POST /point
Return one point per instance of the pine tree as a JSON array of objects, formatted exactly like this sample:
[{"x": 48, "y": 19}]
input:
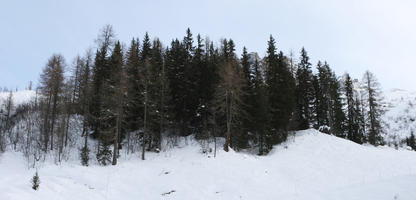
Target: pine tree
[
  {"x": 35, "y": 181},
  {"x": 281, "y": 88},
  {"x": 353, "y": 112},
  {"x": 85, "y": 102},
  {"x": 111, "y": 108},
  {"x": 261, "y": 110},
  {"x": 117, "y": 91},
  {"x": 146, "y": 84},
  {"x": 411, "y": 141},
  {"x": 372, "y": 93},
  {"x": 196, "y": 85},
  {"x": 101, "y": 73},
  {"x": 328, "y": 106},
  {"x": 229, "y": 91},
  {"x": 336, "y": 109},
  {"x": 175, "y": 65},
  {"x": 134, "y": 99},
  {"x": 157, "y": 95},
  {"x": 321, "y": 101},
  {"x": 241, "y": 139},
  {"x": 304, "y": 91}
]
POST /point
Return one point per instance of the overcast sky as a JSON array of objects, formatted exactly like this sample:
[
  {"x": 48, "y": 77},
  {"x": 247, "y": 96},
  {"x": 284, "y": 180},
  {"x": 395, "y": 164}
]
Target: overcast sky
[{"x": 353, "y": 35}]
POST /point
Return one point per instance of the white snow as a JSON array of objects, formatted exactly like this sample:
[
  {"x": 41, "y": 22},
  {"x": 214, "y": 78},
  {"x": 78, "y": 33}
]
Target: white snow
[
  {"x": 400, "y": 117},
  {"x": 310, "y": 166},
  {"x": 19, "y": 97}
]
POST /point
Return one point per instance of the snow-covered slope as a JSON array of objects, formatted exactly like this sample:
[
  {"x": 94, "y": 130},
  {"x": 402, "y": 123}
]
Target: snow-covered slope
[
  {"x": 19, "y": 97},
  {"x": 400, "y": 116},
  {"x": 310, "y": 166}
]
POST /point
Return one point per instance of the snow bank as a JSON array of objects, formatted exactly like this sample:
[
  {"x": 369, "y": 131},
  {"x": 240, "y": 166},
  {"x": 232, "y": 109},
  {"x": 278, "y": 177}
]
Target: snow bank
[{"x": 309, "y": 166}]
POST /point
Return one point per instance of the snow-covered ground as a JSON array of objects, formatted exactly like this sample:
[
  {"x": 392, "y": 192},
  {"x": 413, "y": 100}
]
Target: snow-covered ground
[{"x": 310, "y": 166}]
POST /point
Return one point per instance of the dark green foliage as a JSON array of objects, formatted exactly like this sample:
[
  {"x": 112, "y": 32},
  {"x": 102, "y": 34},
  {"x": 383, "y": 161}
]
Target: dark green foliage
[
  {"x": 134, "y": 100},
  {"x": 336, "y": 109},
  {"x": 354, "y": 117},
  {"x": 85, "y": 155},
  {"x": 261, "y": 111},
  {"x": 35, "y": 181},
  {"x": 101, "y": 73},
  {"x": 281, "y": 89},
  {"x": 176, "y": 60},
  {"x": 411, "y": 141},
  {"x": 304, "y": 91},
  {"x": 193, "y": 87},
  {"x": 104, "y": 154},
  {"x": 241, "y": 140},
  {"x": 328, "y": 105}
]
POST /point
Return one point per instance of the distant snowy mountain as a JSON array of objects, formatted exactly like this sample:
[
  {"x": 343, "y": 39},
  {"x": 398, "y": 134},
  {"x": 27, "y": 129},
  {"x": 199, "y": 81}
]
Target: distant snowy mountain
[{"x": 400, "y": 117}]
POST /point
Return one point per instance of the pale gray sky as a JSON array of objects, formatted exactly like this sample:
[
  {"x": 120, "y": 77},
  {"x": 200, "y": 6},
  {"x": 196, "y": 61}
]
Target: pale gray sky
[{"x": 353, "y": 35}]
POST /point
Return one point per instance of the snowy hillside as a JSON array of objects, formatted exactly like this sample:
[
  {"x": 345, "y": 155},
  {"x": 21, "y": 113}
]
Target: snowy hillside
[
  {"x": 400, "y": 117},
  {"x": 311, "y": 165},
  {"x": 19, "y": 97}
]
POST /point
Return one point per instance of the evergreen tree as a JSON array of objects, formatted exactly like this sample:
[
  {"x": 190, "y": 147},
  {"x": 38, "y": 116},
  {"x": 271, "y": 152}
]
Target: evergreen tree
[
  {"x": 197, "y": 85},
  {"x": 85, "y": 102},
  {"x": 336, "y": 109},
  {"x": 134, "y": 99},
  {"x": 261, "y": 111},
  {"x": 146, "y": 83},
  {"x": 320, "y": 83},
  {"x": 35, "y": 181},
  {"x": 281, "y": 88},
  {"x": 411, "y": 141},
  {"x": 158, "y": 111},
  {"x": 349, "y": 96},
  {"x": 229, "y": 92},
  {"x": 101, "y": 73},
  {"x": 328, "y": 106},
  {"x": 111, "y": 108},
  {"x": 353, "y": 112},
  {"x": 241, "y": 141},
  {"x": 175, "y": 66},
  {"x": 304, "y": 91}
]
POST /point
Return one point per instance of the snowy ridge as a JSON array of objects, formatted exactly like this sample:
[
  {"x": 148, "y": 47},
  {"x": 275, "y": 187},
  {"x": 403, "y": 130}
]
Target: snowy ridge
[
  {"x": 400, "y": 116},
  {"x": 311, "y": 165},
  {"x": 19, "y": 97}
]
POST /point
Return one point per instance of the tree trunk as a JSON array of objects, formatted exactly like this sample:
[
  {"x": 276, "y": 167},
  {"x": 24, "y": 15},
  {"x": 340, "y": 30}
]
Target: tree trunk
[{"x": 145, "y": 122}]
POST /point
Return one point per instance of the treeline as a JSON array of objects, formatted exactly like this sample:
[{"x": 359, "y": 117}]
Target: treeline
[{"x": 134, "y": 96}]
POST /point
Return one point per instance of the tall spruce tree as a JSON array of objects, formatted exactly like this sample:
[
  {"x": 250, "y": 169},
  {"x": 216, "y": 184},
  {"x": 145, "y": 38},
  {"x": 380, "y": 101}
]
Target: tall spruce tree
[
  {"x": 101, "y": 73},
  {"x": 304, "y": 91},
  {"x": 175, "y": 66},
  {"x": 248, "y": 102},
  {"x": 134, "y": 99},
  {"x": 261, "y": 112},
  {"x": 336, "y": 108},
  {"x": 281, "y": 88},
  {"x": 229, "y": 92}
]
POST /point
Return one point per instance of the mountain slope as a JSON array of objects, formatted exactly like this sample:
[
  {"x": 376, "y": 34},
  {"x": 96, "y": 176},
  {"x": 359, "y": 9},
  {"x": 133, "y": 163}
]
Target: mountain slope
[
  {"x": 311, "y": 165},
  {"x": 400, "y": 117}
]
